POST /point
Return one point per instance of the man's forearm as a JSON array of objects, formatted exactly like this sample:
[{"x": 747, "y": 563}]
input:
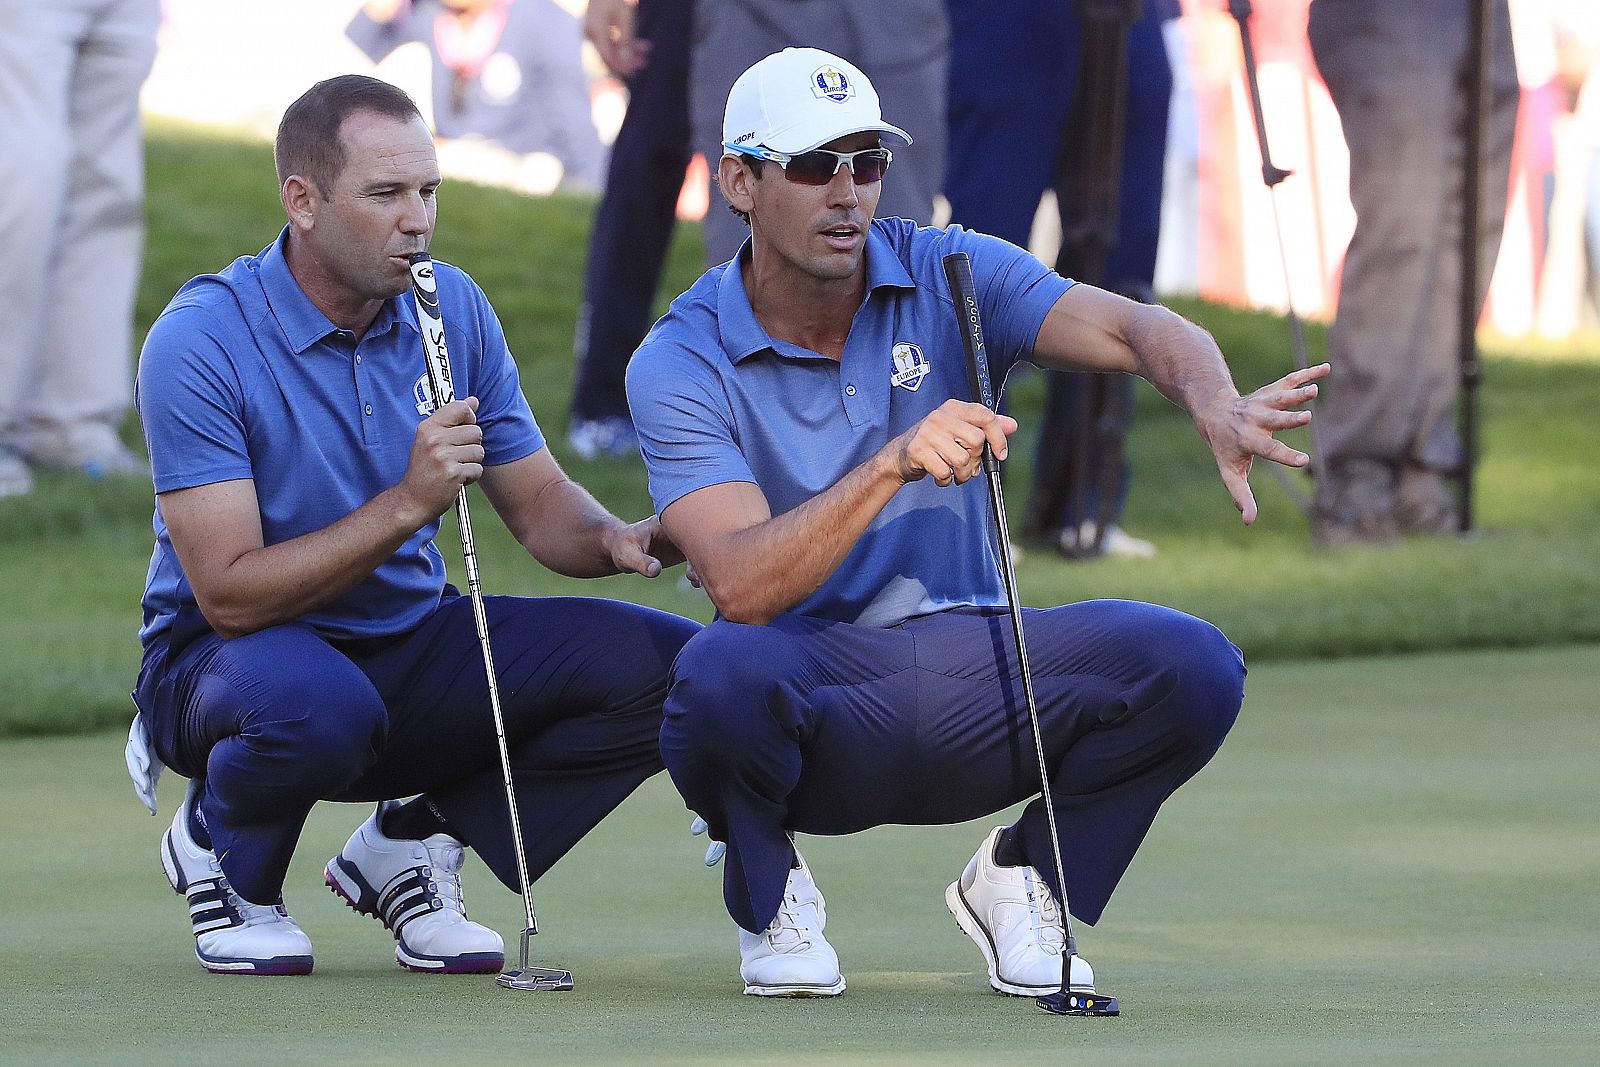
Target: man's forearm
[
  {"x": 768, "y": 568},
  {"x": 1180, "y": 359},
  {"x": 280, "y": 583},
  {"x": 569, "y": 530}
]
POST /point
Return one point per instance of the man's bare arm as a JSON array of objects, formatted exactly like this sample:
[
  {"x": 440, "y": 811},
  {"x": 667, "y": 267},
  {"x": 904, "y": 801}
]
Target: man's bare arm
[
  {"x": 243, "y": 585},
  {"x": 568, "y": 530},
  {"x": 1091, "y": 329},
  {"x": 755, "y": 567}
]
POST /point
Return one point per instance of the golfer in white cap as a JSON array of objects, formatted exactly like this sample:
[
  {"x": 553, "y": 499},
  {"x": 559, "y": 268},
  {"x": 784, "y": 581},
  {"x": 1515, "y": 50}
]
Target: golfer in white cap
[{"x": 804, "y": 416}]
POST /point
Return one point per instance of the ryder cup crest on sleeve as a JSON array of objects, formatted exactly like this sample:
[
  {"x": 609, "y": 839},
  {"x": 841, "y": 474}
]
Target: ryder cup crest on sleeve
[{"x": 799, "y": 99}]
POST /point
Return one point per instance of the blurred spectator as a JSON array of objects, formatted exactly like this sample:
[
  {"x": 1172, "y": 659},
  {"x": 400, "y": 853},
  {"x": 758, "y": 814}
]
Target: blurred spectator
[
  {"x": 646, "y": 43},
  {"x": 1580, "y": 70},
  {"x": 902, "y": 47},
  {"x": 1563, "y": 54},
  {"x": 72, "y": 163},
  {"x": 1396, "y": 73},
  {"x": 507, "y": 71},
  {"x": 1010, "y": 133}
]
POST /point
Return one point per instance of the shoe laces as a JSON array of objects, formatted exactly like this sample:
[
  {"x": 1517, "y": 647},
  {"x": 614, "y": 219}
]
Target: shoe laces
[
  {"x": 443, "y": 875},
  {"x": 1043, "y": 915},
  {"x": 244, "y": 912},
  {"x": 791, "y": 930}
]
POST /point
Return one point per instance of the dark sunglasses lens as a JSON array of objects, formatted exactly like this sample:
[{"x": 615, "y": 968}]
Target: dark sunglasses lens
[
  {"x": 818, "y": 168},
  {"x": 869, "y": 168},
  {"x": 812, "y": 168}
]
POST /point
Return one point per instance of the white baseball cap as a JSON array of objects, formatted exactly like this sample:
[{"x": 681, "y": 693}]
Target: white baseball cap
[{"x": 799, "y": 99}]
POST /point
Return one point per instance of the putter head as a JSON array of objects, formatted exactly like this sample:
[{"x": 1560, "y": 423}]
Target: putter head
[
  {"x": 523, "y": 976},
  {"x": 1080, "y": 999},
  {"x": 1079, "y": 1002},
  {"x": 536, "y": 978}
]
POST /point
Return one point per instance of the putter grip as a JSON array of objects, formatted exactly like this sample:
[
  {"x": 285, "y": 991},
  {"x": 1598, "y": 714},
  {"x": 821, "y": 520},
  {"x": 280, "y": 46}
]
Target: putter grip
[
  {"x": 425, "y": 290},
  {"x": 964, "y": 294}
]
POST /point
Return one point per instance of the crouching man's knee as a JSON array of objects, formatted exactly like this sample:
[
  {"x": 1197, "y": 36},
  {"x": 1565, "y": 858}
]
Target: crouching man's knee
[
  {"x": 1209, "y": 672},
  {"x": 321, "y": 744},
  {"x": 732, "y": 695}
]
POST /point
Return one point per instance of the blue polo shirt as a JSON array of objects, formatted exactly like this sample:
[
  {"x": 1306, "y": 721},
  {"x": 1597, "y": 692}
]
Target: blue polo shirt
[
  {"x": 242, "y": 377},
  {"x": 716, "y": 399}
]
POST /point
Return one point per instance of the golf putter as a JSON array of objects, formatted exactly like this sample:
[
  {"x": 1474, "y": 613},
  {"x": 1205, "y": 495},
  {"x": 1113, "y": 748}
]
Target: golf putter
[
  {"x": 958, "y": 272},
  {"x": 424, "y": 287}
]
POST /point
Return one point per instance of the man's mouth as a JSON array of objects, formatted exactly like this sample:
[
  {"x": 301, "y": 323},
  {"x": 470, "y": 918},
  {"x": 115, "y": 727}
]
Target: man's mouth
[{"x": 844, "y": 235}]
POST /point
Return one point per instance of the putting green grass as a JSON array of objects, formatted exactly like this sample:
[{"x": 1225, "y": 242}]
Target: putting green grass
[{"x": 1392, "y": 861}]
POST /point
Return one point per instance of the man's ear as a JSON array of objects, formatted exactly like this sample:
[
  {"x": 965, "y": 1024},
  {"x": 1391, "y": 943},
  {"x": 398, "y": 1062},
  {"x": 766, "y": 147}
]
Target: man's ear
[
  {"x": 299, "y": 196},
  {"x": 736, "y": 181}
]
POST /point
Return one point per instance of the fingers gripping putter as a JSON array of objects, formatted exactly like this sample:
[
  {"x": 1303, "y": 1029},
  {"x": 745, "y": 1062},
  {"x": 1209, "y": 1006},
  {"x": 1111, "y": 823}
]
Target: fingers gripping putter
[
  {"x": 958, "y": 272},
  {"x": 425, "y": 289}
]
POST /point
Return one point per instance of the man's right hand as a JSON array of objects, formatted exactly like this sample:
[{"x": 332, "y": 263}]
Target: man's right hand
[
  {"x": 447, "y": 454},
  {"x": 384, "y": 10},
  {"x": 609, "y": 26},
  {"x": 948, "y": 443},
  {"x": 755, "y": 566}
]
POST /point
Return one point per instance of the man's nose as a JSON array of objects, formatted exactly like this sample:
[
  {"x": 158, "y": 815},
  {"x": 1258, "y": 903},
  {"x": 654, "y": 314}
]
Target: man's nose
[
  {"x": 842, "y": 188},
  {"x": 415, "y": 220}
]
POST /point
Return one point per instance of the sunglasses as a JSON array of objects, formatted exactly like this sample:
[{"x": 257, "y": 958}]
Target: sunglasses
[{"x": 818, "y": 166}]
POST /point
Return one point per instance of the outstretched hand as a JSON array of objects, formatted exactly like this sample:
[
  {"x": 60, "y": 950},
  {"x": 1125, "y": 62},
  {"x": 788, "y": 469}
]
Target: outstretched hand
[{"x": 1240, "y": 428}]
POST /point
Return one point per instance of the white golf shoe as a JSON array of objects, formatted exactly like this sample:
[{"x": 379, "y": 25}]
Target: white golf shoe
[
  {"x": 231, "y": 935},
  {"x": 791, "y": 958},
  {"x": 1010, "y": 913},
  {"x": 414, "y": 889}
]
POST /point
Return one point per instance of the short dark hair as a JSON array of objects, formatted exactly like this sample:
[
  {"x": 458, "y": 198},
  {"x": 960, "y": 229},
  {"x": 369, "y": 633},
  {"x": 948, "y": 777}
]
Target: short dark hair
[
  {"x": 308, "y": 140},
  {"x": 755, "y": 168}
]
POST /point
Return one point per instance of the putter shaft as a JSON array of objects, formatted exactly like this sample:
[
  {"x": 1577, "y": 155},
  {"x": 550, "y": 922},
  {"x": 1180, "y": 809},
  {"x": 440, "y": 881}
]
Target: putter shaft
[
  {"x": 963, "y": 293},
  {"x": 424, "y": 289},
  {"x": 480, "y": 618}
]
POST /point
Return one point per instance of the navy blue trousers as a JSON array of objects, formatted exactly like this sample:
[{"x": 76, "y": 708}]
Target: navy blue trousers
[
  {"x": 633, "y": 224},
  {"x": 1007, "y": 134},
  {"x": 830, "y": 728},
  {"x": 1007, "y": 127},
  {"x": 277, "y": 720}
]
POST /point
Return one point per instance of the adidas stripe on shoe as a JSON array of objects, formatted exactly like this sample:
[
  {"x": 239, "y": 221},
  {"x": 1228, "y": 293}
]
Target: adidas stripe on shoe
[
  {"x": 414, "y": 889},
  {"x": 231, "y": 935}
]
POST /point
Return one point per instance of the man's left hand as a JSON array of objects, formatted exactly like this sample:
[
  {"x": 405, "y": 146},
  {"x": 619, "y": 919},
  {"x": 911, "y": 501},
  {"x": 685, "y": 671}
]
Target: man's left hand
[
  {"x": 1240, "y": 428},
  {"x": 643, "y": 547}
]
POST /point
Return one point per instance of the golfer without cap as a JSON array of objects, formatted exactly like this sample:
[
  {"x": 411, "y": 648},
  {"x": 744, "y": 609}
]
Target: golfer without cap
[
  {"x": 300, "y": 642},
  {"x": 802, "y": 415}
]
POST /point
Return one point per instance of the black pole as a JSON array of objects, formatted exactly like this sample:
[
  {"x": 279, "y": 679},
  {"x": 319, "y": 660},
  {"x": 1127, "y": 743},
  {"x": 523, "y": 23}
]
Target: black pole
[
  {"x": 1241, "y": 11},
  {"x": 1272, "y": 176},
  {"x": 1470, "y": 306}
]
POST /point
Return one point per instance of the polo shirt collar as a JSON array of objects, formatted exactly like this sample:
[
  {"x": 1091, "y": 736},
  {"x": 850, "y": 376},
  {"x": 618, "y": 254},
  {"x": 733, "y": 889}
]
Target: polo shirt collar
[
  {"x": 302, "y": 322},
  {"x": 743, "y": 336}
]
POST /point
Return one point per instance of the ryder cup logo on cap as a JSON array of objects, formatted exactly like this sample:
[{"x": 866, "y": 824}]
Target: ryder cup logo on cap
[
  {"x": 832, "y": 83},
  {"x": 802, "y": 98}
]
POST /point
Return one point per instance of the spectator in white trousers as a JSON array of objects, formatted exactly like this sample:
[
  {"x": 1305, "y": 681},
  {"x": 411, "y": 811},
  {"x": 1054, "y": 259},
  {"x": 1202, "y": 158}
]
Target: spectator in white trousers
[{"x": 72, "y": 167}]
